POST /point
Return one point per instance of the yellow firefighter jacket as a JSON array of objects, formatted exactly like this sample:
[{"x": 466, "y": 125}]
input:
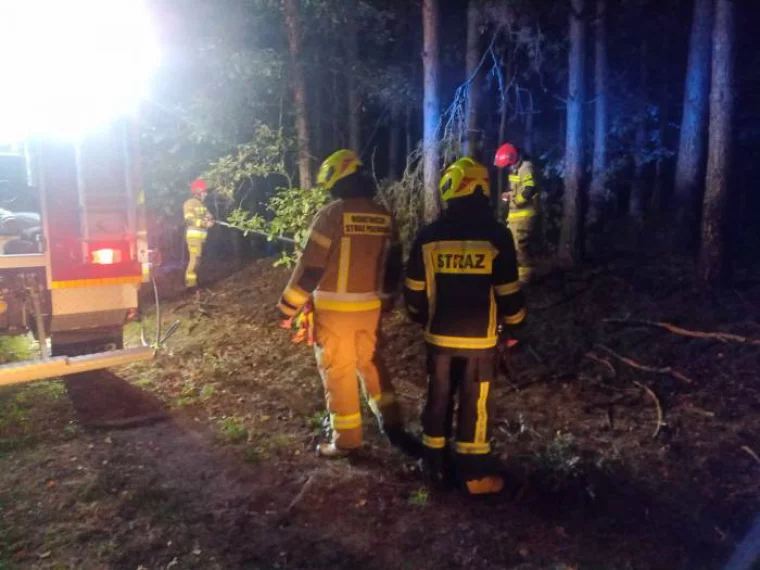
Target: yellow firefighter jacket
[
  {"x": 351, "y": 260},
  {"x": 196, "y": 216},
  {"x": 524, "y": 202}
]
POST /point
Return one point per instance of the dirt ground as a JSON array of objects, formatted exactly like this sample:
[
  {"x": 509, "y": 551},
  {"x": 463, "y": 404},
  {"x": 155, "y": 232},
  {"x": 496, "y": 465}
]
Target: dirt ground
[{"x": 204, "y": 457}]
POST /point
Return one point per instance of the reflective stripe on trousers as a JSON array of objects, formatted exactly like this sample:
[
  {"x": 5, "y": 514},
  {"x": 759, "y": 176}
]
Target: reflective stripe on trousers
[
  {"x": 194, "y": 251},
  {"x": 346, "y": 350}
]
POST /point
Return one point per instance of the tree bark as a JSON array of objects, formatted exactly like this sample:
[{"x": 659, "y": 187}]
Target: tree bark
[
  {"x": 409, "y": 136},
  {"x": 636, "y": 203},
  {"x": 598, "y": 190},
  {"x": 691, "y": 147},
  {"x": 394, "y": 141},
  {"x": 472, "y": 58},
  {"x": 431, "y": 109},
  {"x": 714, "y": 263},
  {"x": 299, "y": 93},
  {"x": 354, "y": 101},
  {"x": 571, "y": 232}
]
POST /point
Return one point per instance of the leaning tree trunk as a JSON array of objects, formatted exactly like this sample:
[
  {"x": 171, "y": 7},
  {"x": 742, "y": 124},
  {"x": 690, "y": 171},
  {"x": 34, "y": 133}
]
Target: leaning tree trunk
[
  {"x": 571, "y": 233},
  {"x": 691, "y": 147},
  {"x": 299, "y": 92},
  {"x": 472, "y": 137},
  {"x": 431, "y": 108},
  {"x": 354, "y": 101},
  {"x": 597, "y": 191},
  {"x": 714, "y": 263}
]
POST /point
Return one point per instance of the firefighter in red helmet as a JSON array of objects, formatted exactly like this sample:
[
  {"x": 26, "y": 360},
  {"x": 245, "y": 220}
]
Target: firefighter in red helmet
[
  {"x": 520, "y": 206},
  {"x": 197, "y": 222}
]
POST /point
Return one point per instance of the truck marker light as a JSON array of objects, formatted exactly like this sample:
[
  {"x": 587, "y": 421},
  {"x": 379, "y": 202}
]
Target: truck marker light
[{"x": 106, "y": 256}]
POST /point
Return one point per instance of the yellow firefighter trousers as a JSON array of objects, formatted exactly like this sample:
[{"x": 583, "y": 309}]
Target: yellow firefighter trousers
[
  {"x": 347, "y": 353},
  {"x": 195, "y": 241},
  {"x": 525, "y": 230}
]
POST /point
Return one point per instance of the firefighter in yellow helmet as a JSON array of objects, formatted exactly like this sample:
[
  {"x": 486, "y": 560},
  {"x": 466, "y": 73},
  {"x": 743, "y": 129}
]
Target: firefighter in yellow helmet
[
  {"x": 350, "y": 267},
  {"x": 522, "y": 203},
  {"x": 197, "y": 222},
  {"x": 462, "y": 286}
]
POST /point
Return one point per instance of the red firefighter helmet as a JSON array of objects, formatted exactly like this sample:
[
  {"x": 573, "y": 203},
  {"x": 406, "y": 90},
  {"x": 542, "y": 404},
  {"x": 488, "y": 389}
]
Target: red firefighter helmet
[
  {"x": 198, "y": 186},
  {"x": 507, "y": 155}
]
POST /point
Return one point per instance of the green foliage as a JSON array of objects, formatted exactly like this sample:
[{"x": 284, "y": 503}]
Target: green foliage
[
  {"x": 233, "y": 430},
  {"x": 292, "y": 209},
  {"x": 263, "y": 156},
  {"x": 14, "y": 348}
]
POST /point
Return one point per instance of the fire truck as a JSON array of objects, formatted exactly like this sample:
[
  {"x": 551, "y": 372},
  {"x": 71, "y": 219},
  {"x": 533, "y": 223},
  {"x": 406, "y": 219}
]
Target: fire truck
[{"x": 72, "y": 278}]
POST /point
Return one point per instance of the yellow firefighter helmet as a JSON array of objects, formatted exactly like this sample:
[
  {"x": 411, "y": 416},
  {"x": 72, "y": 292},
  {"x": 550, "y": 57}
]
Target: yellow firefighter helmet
[
  {"x": 463, "y": 178},
  {"x": 336, "y": 166}
]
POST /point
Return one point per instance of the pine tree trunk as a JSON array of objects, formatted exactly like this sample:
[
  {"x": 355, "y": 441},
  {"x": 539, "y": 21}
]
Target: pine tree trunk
[
  {"x": 714, "y": 263},
  {"x": 691, "y": 149},
  {"x": 299, "y": 92},
  {"x": 636, "y": 204},
  {"x": 571, "y": 233},
  {"x": 394, "y": 141},
  {"x": 431, "y": 109},
  {"x": 472, "y": 58},
  {"x": 354, "y": 101},
  {"x": 598, "y": 190}
]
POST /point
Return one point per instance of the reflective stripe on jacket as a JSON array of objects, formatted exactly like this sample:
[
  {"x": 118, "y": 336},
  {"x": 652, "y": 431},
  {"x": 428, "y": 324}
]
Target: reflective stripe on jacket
[
  {"x": 351, "y": 260},
  {"x": 195, "y": 213},
  {"x": 461, "y": 280},
  {"x": 522, "y": 185}
]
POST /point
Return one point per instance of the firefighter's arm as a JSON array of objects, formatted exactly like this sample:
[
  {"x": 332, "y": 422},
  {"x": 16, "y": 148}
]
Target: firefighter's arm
[
  {"x": 415, "y": 285},
  {"x": 311, "y": 264},
  {"x": 510, "y": 300},
  {"x": 394, "y": 269},
  {"x": 528, "y": 185}
]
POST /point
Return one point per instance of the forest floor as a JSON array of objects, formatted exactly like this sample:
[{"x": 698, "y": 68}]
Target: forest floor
[{"x": 204, "y": 457}]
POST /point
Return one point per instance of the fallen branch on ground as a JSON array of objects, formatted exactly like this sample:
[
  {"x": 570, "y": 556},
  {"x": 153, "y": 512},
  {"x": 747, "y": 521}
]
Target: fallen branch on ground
[
  {"x": 603, "y": 361},
  {"x": 719, "y": 336},
  {"x": 751, "y": 453},
  {"x": 633, "y": 364},
  {"x": 657, "y": 406}
]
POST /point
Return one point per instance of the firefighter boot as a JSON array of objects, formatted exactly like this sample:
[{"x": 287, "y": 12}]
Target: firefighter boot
[
  {"x": 331, "y": 451},
  {"x": 405, "y": 441},
  {"x": 434, "y": 466}
]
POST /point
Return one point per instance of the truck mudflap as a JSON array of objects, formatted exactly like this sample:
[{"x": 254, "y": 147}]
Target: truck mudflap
[{"x": 31, "y": 370}]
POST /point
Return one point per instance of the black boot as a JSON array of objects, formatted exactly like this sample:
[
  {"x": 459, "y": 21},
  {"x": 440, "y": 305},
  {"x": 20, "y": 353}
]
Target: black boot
[{"x": 405, "y": 442}]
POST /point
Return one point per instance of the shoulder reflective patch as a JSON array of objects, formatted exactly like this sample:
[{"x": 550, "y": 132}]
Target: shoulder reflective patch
[
  {"x": 366, "y": 225},
  {"x": 478, "y": 261}
]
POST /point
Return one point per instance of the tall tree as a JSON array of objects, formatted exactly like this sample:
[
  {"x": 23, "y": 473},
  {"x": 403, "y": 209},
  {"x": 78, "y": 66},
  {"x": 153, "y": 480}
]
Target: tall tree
[
  {"x": 431, "y": 108},
  {"x": 299, "y": 92},
  {"x": 691, "y": 147},
  {"x": 571, "y": 232},
  {"x": 472, "y": 59},
  {"x": 597, "y": 191},
  {"x": 714, "y": 263},
  {"x": 636, "y": 203},
  {"x": 354, "y": 101}
]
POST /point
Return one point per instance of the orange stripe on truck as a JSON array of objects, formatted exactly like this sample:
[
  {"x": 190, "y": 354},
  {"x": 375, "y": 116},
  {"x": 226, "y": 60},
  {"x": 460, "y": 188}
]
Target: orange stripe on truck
[{"x": 134, "y": 280}]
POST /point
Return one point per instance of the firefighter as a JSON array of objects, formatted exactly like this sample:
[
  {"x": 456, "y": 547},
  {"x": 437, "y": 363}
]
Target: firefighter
[
  {"x": 522, "y": 204},
  {"x": 462, "y": 286},
  {"x": 350, "y": 267},
  {"x": 197, "y": 222}
]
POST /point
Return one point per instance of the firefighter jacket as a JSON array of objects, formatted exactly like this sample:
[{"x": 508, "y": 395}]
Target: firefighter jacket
[
  {"x": 196, "y": 216},
  {"x": 351, "y": 261},
  {"x": 461, "y": 278},
  {"x": 524, "y": 201}
]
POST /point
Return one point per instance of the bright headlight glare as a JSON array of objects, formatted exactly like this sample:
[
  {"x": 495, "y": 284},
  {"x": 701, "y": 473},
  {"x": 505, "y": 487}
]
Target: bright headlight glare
[{"x": 70, "y": 66}]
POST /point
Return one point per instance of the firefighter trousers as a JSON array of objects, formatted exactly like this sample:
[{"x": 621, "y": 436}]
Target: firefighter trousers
[
  {"x": 526, "y": 231},
  {"x": 195, "y": 241},
  {"x": 347, "y": 354},
  {"x": 466, "y": 380}
]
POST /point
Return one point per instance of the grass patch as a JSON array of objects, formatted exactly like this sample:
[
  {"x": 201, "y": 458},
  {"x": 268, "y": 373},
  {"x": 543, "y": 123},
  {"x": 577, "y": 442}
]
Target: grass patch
[
  {"x": 419, "y": 497},
  {"x": 233, "y": 430},
  {"x": 15, "y": 348}
]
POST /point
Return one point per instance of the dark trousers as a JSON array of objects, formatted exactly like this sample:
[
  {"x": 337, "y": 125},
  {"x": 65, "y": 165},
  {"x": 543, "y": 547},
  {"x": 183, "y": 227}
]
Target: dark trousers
[{"x": 463, "y": 381}]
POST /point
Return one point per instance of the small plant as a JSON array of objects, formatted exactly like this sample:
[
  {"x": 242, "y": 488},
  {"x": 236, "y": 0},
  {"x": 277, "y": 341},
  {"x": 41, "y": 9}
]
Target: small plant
[
  {"x": 207, "y": 391},
  {"x": 319, "y": 422},
  {"x": 233, "y": 430},
  {"x": 419, "y": 497}
]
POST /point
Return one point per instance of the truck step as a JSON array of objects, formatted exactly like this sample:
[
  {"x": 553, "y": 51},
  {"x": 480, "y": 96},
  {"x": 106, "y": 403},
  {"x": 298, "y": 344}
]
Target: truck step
[{"x": 31, "y": 370}]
